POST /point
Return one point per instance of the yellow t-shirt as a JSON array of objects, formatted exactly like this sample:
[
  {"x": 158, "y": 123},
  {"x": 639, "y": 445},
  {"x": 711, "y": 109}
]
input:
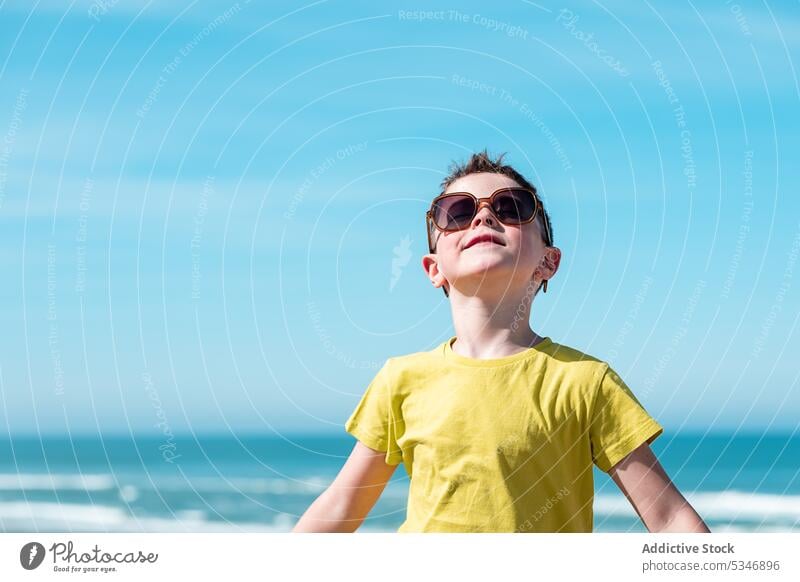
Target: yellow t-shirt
[{"x": 504, "y": 444}]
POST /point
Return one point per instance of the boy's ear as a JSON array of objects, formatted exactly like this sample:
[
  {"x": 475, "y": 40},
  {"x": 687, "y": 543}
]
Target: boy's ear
[
  {"x": 430, "y": 263},
  {"x": 549, "y": 264}
]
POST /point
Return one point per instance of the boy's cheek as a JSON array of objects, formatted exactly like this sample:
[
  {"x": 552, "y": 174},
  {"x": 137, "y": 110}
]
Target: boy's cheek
[{"x": 447, "y": 252}]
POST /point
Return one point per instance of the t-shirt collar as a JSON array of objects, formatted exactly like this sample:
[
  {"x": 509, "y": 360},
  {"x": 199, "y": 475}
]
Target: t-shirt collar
[{"x": 451, "y": 356}]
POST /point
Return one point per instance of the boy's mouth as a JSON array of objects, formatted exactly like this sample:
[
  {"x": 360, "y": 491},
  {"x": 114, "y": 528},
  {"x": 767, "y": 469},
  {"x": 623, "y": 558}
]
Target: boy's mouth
[{"x": 480, "y": 239}]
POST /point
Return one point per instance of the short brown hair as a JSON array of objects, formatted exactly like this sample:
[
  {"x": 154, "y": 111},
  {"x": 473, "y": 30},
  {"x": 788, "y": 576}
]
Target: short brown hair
[{"x": 483, "y": 162}]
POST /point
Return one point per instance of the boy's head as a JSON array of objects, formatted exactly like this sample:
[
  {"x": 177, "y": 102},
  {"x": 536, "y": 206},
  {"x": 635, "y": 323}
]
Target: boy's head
[{"x": 516, "y": 256}]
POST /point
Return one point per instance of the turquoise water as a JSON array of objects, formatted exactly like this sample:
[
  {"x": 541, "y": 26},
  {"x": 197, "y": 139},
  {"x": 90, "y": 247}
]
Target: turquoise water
[{"x": 742, "y": 482}]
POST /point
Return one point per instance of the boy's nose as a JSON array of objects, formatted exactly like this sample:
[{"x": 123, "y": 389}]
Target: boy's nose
[{"x": 484, "y": 215}]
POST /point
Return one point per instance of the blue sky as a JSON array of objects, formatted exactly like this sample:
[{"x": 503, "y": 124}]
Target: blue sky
[{"x": 211, "y": 216}]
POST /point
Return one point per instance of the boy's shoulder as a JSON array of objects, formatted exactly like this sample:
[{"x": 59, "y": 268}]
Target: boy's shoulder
[
  {"x": 568, "y": 354},
  {"x": 418, "y": 358},
  {"x": 577, "y": 366}
]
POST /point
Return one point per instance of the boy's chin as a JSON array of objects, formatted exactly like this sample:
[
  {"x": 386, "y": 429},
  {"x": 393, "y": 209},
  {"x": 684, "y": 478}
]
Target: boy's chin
[
  {"x": 480, "y": 264},
  {"x": 485, "y": 275},
  {"x": 494, "y": 289}
]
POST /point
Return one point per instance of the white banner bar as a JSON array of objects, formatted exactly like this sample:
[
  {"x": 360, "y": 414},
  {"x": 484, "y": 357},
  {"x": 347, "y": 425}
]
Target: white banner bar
[{"x": 400, "y": 557}]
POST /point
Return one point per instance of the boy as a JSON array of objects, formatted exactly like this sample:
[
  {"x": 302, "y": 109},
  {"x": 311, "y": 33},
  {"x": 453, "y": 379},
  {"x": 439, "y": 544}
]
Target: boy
[{"x": 498, "y": 427}]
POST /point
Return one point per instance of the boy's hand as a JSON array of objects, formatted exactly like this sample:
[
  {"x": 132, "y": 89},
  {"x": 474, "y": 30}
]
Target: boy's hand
[{"x": 655, "y": 498}]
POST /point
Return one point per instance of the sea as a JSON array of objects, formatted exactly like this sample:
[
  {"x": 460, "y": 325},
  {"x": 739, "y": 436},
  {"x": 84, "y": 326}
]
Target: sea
[{"x": 212, "y": 483}]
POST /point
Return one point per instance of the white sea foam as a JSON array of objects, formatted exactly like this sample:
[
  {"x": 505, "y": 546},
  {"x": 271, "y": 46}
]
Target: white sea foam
[
  {"x": 128, "y": 493},
  {"x": 44, "y": 516},
  {"x": 733, "y": 505},
  {"x": 775, "y": 514},
  {"x": 56, "y": 482},
  {"x": 61, "y": 513},
  {"x": 129, "y": 484},
  {"x": 248, "y": 485}
]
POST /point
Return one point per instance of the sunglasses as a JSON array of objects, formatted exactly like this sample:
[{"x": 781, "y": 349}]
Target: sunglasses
[
  {"x": 455, "y": 211},
  {"x": 512, "y": 206}
]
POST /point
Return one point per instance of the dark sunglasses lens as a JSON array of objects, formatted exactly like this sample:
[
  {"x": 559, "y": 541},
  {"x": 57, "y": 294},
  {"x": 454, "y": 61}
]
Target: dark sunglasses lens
[
  {"x": 514, "y": 206},
  {"x": 454, "y": 212}
]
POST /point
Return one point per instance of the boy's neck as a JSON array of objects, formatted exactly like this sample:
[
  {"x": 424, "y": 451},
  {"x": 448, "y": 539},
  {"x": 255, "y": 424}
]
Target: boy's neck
[{"x": 486, "y": 329}]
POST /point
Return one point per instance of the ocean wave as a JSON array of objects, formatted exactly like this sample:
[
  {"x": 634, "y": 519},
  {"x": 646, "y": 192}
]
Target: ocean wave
[
  {"x": 304, "y": 486},
  {"x": 732, "y": 505},
  {"x": 721, "y": 505},
  {"x": 130, "y": 483},
  {"x": 56, "y": 482},
  {"x": 250, "y": 485},
  {"x": 72, "y": 517}
]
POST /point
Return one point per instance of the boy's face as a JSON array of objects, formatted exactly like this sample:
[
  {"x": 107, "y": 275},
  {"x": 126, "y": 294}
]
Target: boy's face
[{"x": 511, "y": 259}]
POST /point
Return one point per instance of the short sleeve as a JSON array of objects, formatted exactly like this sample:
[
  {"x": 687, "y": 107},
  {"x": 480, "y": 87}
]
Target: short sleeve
[
  {"x": 377, "y": 420},
  {"x": 619, "y": 423}
]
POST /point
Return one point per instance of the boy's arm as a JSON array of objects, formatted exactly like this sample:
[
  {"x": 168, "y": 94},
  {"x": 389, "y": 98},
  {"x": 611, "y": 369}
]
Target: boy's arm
[
  {"x": 655, "y": 498},
  {"x": 343, "y": 506}
]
